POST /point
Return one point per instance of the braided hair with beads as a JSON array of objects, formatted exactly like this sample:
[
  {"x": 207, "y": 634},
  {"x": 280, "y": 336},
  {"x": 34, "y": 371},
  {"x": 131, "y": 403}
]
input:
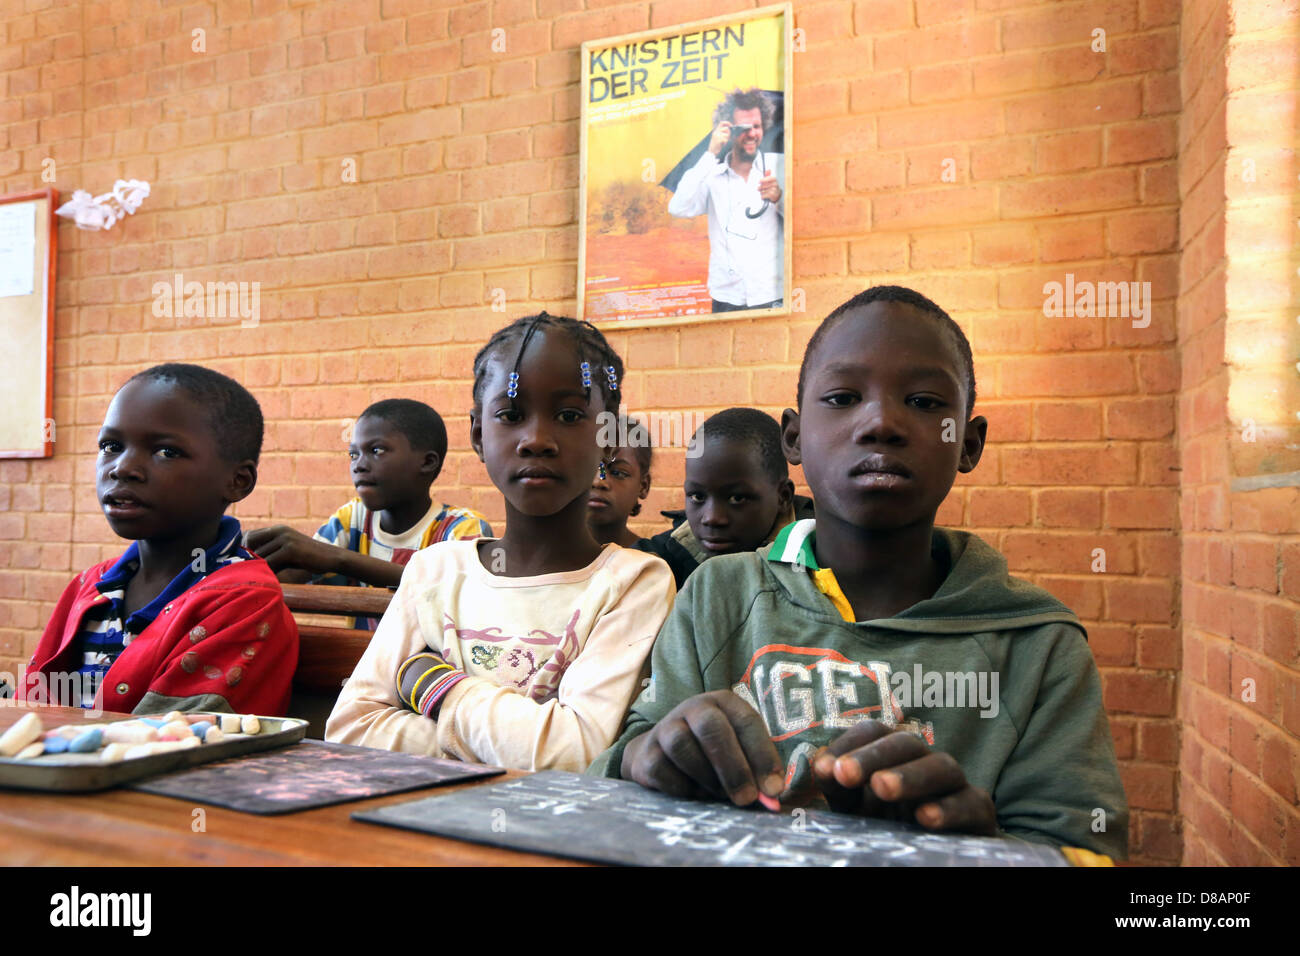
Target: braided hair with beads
[{"x": 593, "y": 352}]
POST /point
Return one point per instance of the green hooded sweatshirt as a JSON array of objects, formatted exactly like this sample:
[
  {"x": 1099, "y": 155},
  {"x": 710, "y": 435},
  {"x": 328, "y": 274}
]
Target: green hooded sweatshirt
[{"x": 990, "y": 669}]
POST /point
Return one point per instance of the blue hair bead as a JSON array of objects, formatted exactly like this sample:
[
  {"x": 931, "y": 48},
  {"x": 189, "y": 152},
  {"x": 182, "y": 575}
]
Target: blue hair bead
[
  {"x": 513, "y": 388},
  {"x": 586, "y": 374},
  {"x": 613, "y": 378}
]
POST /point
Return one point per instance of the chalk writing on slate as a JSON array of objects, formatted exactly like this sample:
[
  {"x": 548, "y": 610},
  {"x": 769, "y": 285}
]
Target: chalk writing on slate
[
  {"x": 310, "y": 774},
  {"x": 615, "y": 821}
]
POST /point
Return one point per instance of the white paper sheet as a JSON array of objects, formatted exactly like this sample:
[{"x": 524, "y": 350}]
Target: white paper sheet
[{"x": 17, "y": 248}]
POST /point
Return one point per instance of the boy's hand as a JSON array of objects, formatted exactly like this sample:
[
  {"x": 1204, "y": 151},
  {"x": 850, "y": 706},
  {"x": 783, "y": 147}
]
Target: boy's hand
[
  {"x": 283, "y": 547},
  {"x": 873, "y": 770},
  {"x": 712, "y": 744}
]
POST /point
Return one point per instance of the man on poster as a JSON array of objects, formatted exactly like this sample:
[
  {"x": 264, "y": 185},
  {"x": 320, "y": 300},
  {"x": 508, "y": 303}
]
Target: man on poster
[{"x": 740, "y": 188}]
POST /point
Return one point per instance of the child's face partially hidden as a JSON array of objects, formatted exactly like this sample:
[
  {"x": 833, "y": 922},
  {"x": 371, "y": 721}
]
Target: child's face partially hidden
[
  {"x": 731, "y": 502},
  {"x": 614, "y": 497},
  {"x": 542, "y": 453},
  {"x": 882, "y": 429},
  {"x": 160, "y": 475},
  {"x": 386, "y": 471}
]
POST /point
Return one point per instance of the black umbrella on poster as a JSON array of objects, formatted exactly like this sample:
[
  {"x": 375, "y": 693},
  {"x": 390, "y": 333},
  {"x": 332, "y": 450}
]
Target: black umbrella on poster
[{"x": 773, "y": 142}]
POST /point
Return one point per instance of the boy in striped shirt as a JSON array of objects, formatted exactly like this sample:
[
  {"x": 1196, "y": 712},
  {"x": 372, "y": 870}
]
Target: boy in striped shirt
[{"x": 397, "y": 450}]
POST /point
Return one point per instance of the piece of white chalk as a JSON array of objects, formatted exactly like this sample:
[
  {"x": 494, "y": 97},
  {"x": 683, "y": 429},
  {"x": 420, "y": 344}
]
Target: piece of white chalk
[
  {"x": 173, "y": 715},
  {"x": 114, "y": 752},
  {"x": 213, "y": 736},
  {"x": 161, "y": 747},
  {"x": 31, "y": 750},
  {"x": 130, "y": 732},
  {"x": 250, "y": 724},
  {"x": 230, "y": 723},
  {"x": 27, "y": 729}
]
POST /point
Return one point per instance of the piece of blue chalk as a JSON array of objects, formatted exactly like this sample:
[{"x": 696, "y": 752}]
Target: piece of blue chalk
[
  {"x": 56, "y": 745},
  {"x": 201, "y": 729},
  {"x": 87, "y": 742}
]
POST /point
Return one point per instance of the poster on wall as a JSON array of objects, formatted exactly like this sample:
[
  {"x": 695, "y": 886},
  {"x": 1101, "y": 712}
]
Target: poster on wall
[{"x": 685, "y": 186}]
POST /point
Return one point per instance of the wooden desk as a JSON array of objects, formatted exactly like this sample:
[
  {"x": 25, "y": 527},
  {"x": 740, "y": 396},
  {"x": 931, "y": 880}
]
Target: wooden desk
[{"x": 128, "y": 828}]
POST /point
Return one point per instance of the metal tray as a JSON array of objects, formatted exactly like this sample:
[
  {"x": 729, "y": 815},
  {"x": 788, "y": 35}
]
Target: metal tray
[{"x": 83, "y": 773}]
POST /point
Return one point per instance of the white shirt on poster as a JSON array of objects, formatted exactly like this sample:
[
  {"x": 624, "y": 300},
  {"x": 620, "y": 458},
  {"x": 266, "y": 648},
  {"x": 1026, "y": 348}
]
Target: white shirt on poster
[{"x": 746, "y": 258}]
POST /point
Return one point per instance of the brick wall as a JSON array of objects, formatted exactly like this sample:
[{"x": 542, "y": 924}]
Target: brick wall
[
  {"x": 1240, "y": 688},
  {"x": 1064, "y": 161}
]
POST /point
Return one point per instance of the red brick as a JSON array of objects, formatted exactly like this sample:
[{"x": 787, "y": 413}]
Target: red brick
[
  {"x": 1003, "y": 246},
  {"x": 1002, "y": 159},
  {"x": 874, "y": 172},
  {"x": 1148, "y": 786},
  {"x": 1056, "y": 421},
  {"x": 998, "y": 507},
  {"x": 1068, "y": 508},
  {"x": 1141, "y": 232},
  {"x": 1111, "y": 645},
  {"x": 1255, "y": 565},
  {"x": 1280, "y": 765},
  {"x": 883, "y": 252},
  {"x": 1138, "y": 693},
  {"x": 1067, "y": 152},
  {"x": 1141, "y": 142},
  {"x": 877, "y": 92},
  {"x": 1068, "y": 375},
  {"x": 944, "y": 81},
  {"x": 1139, "y": 600},
  {"x": 1071, "y": 239},
  {"x": 1123, "y": 732},
  {"x": 940, "y": 251},
  {"x": 953, "y": 124},
  {"x": 1084, "y": 192},
  {"x": 1257, "y": 811},
  {"x": 1140, "y": 508},
  {"x": 1290, "y": 578},
  {"x": 939, "y": 44}
]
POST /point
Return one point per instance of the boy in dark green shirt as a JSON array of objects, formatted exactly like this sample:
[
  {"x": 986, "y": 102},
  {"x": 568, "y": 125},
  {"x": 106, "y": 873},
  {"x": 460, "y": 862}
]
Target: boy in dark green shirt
[
  {"x": 867, "y": 659},
  {"x": 738, "y": 493}
]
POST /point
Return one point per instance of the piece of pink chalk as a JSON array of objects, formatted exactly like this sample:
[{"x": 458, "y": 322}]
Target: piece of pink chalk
[{"x": 772, "y": 803}]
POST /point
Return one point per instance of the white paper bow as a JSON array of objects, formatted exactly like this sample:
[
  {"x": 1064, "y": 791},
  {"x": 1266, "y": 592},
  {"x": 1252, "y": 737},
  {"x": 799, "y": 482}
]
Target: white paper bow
[{"x": 101, "y": 212}]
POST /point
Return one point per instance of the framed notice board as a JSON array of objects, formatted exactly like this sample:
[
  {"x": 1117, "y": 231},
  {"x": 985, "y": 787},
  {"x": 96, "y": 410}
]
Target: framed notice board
[{"x": 28, "y": 245}]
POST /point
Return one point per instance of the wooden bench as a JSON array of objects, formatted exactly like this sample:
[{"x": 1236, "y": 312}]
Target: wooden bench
[{"x": 327, "y": 655}]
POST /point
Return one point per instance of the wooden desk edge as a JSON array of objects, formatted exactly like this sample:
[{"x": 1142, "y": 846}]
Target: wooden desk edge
[{"x": 124, "y": 827}]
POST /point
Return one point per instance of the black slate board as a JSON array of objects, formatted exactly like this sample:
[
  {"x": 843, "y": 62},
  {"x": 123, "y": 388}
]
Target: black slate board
[
  {"x": 311, "y": 774},
  {"x": 614, "y": 821}
]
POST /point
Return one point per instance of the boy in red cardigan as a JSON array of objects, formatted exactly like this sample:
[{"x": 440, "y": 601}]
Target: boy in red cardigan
[{"x": 186, "y": 619}]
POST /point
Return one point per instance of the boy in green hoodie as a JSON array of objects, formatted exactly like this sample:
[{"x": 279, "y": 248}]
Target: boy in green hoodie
[{"x": 867, "y": 659}]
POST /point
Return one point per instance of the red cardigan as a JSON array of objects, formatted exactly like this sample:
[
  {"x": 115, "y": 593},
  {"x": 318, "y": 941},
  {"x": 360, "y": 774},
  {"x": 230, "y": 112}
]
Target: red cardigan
[{"x": 230, "y": 635}]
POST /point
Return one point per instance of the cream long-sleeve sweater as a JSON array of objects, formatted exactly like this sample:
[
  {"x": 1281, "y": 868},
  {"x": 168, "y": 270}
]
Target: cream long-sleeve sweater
[{"x": 554, "y": 660}]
